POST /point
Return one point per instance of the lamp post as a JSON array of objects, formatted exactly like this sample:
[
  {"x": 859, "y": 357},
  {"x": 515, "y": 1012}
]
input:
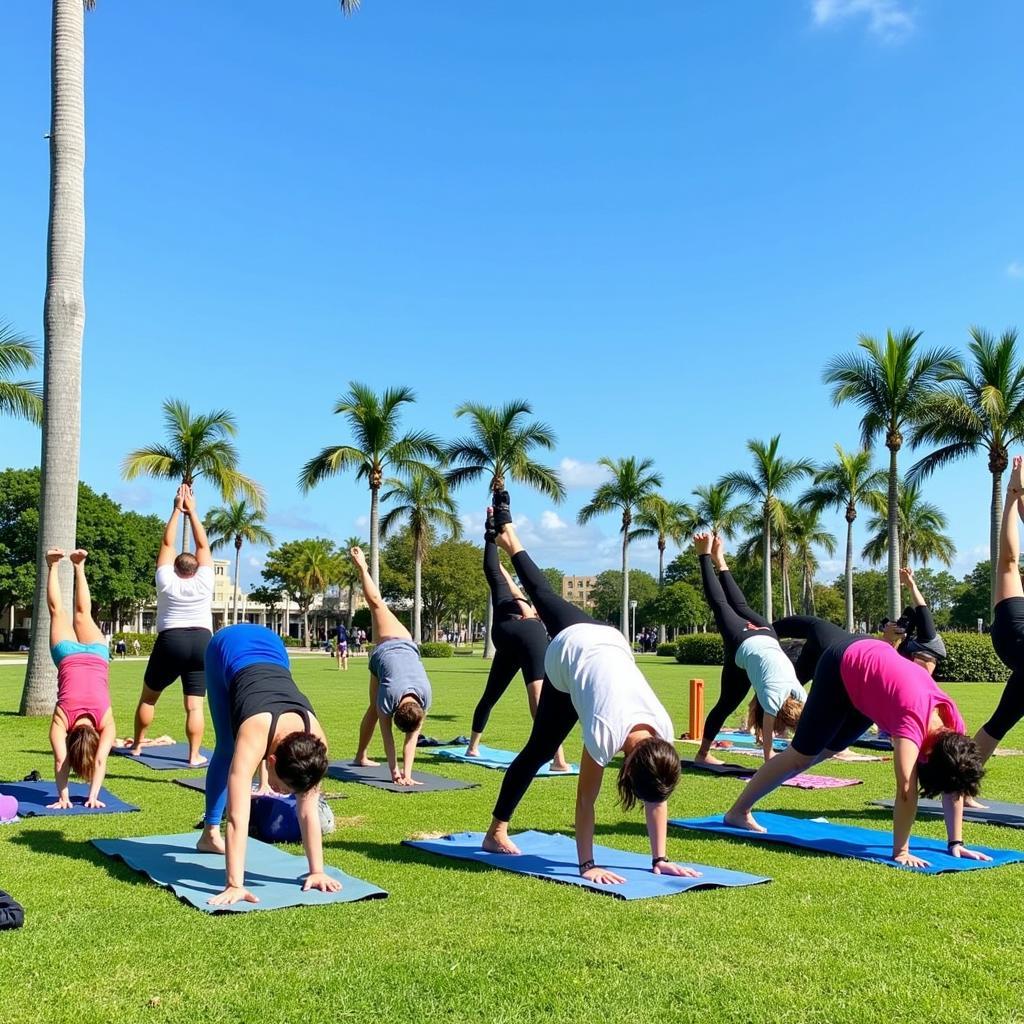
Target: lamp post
[{"x": 632, "y": 608}]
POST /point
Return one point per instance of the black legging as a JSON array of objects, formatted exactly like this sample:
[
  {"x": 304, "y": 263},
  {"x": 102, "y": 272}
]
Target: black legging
[
  {"x": 555, "y": 713},
  {"x": 519, "y": 643},
  {"x": 1008, "y": 642},
  {"x": 818, "y": 635},
  {"x": 736, "y": 621}
]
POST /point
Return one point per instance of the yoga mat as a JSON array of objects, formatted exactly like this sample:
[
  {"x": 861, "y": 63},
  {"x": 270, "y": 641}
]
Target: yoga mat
[
  {"x": 197, "y": 784},
  {"x": 872, "y": 743},
  {"x": 746, "y": 739},
  {"x": 742, "y": 772},
  {"x": 33, "y": 797},
  {"x": 849, "y": 841},
  {"x": 490, "y": 757},
  {"x": 380, "y": 778},
  {"x": 996, "y": 813},
  {"x": 271, "y": 874},
  {"x": 174, "y": 755},
  {"x": 554, "y": 858}
]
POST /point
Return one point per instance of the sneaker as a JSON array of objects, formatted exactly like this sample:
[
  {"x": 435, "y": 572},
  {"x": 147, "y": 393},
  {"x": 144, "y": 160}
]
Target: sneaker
[{"x": 489, "y": 529}]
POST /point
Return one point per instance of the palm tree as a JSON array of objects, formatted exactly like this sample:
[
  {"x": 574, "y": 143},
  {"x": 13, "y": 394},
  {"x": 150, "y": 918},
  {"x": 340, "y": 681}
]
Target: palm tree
[
  {"x": 63, "y": 326},
  {"x": 843, "y": 485},
  {"x": 771, "y": 478},
  {"x": 979, "y": 409},
  {"x": 240, "y": 523},
  {"x": 316, "y": 566},
  {"x": 668, "y": 521},
  {"x": 891, "y": 383},
  {"x": 423, "y": 504},
  {"x": 499, "y": 448},
  {"x": 806, "y": 533},
  {"x": 21, "y": 399},
  {"x": 920, "y": 524},
  {"x": 632, "y": 486},
  {"x": 198, "y": 446},
  {"x": 373, "y": 421},
  {"x": 714, "y": 511}
]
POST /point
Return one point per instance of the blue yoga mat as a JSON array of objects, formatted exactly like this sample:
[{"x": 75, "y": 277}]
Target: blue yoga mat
[
  {"x": 868, "y": 741},
  {"x": 270, "y": 874},
  {"x": 554, "y": 858},
  {"x": 33, "y": 797},
  {"x": 850, "y": 841},
  {"x": 746, "y": 739},
  {"x": 490, "y": 757},
  {"x": 174, "y": 755}
]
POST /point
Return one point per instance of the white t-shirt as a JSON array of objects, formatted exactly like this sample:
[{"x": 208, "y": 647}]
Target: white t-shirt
[
  {"x": 594, "y": 665},
  {"x": 771, "y": 673},
  {"x": 184, "y": 603}
]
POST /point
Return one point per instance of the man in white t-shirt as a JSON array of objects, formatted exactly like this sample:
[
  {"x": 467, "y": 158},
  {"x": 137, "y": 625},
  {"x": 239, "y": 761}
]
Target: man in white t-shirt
[{"x": 184, "y": 625}]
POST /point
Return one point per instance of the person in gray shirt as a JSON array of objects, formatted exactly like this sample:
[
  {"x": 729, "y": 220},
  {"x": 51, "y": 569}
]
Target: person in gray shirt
[{"x": 399, "y": 688}]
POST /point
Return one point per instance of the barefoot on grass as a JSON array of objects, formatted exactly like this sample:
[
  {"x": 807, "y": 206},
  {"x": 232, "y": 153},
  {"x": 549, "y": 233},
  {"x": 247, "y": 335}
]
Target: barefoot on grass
[{"x": 744, "y": 820}]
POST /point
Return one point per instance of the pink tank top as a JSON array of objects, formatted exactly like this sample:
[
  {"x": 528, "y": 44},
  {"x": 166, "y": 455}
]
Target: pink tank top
[
  {"x": 83, "y": 687},
  {"x": 893, "y": 692}
]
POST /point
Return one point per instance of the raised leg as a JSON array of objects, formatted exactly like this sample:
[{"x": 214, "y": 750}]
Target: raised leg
[
  {"x": 60, "y": 624},
  {"x": 1008, "y": 582},
  {"x": 385, "y": 624},
  {"x": 85, "y": 626}
]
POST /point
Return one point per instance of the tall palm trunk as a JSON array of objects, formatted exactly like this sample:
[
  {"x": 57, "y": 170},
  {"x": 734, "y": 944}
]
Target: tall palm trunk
[
  {"x": 63, "y": 326},
  {"x": 995, "y": 518},
  {"x": 894, "y": 534},
  {"x": 238, "y": 554},
  {"x": 375, "y": 534},
  {"x": 305, "y": 627},
  {"x": 624, "y": 617},
  {"x": 417, "y": 594},
  {"x": 787, "y": 589},
  {"x": 351, "y": 610},
  {"x": 848, "y": 596},
  {"x": 661, "y": 583},
  {"x": 768, "y": 609}
]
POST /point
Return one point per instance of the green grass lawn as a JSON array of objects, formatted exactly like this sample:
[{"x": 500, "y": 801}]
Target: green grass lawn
[{"x": 829, "y": 940}]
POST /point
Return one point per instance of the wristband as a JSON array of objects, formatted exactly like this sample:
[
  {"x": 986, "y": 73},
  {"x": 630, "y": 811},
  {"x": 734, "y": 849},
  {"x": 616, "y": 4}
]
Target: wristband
[
  {"x": 586, "y": 866},
  {"x": 952, "y": 844},
  {"x": 655, "y": 861}
]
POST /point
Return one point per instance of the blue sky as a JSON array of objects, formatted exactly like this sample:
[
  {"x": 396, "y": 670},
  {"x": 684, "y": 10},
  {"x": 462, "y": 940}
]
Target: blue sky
[{"x": 656, "y": 223}]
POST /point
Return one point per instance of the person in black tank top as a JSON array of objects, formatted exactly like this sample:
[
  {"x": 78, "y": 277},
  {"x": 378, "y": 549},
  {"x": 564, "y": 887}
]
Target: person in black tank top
[{"x": 259, "y": 715}]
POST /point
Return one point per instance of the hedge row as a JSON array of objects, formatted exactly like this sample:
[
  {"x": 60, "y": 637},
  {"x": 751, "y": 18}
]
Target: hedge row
[
  {"x": 970, "y": 657},
  {"x": 667, "y": 649},
  {"x": 436, "y": 650}
]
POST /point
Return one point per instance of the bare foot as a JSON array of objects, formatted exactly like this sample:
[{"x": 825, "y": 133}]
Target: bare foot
[
  {"x": 211, "y": 841},
  {"x": 78, "y": 556},
  {"x": 970, "y": 801},
  {"x": 718, "y": 552},
  {"x": 560, "y": 766},
  {"x": 471, "y": 752},
  {"x": 53, "y": 556},
  {"x": 707, "y": 759},
  {"x": 497, "y": 841},
  {"x": 197, "y": 763},
  {"x": 743, "y": 820},
  {"x": 136, "y": 750},
  {"x": 365, "y": 762},
  {"x": 702, "y": 542}
]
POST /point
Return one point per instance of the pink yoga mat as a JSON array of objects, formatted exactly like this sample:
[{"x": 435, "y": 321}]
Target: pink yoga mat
[{"x": 820, "y": 782}]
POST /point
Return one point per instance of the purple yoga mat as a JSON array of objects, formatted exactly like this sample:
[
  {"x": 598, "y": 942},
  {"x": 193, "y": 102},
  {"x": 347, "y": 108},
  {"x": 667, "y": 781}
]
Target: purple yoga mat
[{"x": 820, "y": 782}]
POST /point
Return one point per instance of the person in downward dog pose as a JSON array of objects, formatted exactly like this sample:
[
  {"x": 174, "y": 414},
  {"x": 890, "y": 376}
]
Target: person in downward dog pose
[
  {"x": 592, "y": 678},
  {"x": 82, "y": 729},
  {"x": 259, "y": 715},
  {"x": 399, "y": 688},
  {"x": 1008, "y": 619},
  {"x": 520, "y": 641},
  {"x": 860, "y": 680},
  {"x": 184, "y": 622},
  {"x": 753, "y": 657}
]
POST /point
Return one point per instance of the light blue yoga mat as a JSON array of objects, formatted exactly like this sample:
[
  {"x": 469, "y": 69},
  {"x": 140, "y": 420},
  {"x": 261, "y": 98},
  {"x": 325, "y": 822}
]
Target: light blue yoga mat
[
  {"x": 491, "y": 757},
  {"x": 174, "y": 755},
  {"x": 554, "y": 858},
  {"x": 746, "y": 739},
  {"x": 850, "y": 841},
  {"x": 33, "y": 797},
  {"x": 270, "y": 874}
]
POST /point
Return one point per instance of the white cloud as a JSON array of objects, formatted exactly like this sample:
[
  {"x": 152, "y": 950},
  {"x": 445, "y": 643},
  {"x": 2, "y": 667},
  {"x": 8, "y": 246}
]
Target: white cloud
[
  {"x": 552, "y": 521},
  {"x": 1015, "y": 269},
  {"x": 890, "y": 20},
  {"x": 582, "y": 474}
]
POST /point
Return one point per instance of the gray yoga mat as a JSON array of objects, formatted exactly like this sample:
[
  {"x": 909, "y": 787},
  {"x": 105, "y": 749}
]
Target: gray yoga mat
[
  {"x": 380, "y": 778},
  {"x": 996, "y": 812}
]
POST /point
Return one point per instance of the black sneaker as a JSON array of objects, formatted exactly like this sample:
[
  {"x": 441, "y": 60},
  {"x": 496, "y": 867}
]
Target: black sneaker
[
  {"x": 502, "y": 510},
  {"x": 489, "y": 530}
]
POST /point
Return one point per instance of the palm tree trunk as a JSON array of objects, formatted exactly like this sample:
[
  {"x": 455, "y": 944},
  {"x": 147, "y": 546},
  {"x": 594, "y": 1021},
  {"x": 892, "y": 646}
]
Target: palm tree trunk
[
  {"x": 849, "y": 576},
  {"x": 305, "y": 627},
  {"x": 787, "y": 594},
  {"x": 375, "y": 535},
  {"x": 234, "y": 608},
  {"x": 894, "y": 537},
  {"x": 996, "y": 516},
  {"x": 417, "y": 597},
  {"x": 661, "y": 585},
  {"x": 624, "y": 617},
  {"x": 351, "y": 610},
  {"x": 63, "y": 325},
  {"x": 768, "y": 609}
]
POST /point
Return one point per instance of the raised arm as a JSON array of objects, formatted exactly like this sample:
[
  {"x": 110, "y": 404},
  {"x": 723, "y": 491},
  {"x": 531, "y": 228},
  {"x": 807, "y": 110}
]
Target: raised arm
[
  {"x": 169, "y": 544},
  {"x": 204, "y": 556}
]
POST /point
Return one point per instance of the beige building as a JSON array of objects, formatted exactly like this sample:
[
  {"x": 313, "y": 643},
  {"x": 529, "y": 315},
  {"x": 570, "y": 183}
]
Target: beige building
[{"x": 577, "y": 590}]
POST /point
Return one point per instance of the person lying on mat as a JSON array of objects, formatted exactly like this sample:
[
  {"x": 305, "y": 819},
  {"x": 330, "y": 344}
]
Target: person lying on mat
[
  {"x": 399, "y": 688},
  {"x": 520, "y": 641},
  {"x": 860, "y": 680},
  {"x": 753, "y": 658},
  {"x": 259, "y": 713},
  {"x": 590, "y": 677},
  {"x": 82, "y": 729}
]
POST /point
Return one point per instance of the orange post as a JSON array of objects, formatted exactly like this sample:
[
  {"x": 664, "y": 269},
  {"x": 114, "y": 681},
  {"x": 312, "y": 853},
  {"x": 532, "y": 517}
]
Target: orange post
[{"x": 696, "y": 709}]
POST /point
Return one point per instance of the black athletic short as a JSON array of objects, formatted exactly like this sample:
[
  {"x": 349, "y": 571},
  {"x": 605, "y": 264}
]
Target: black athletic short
[{"x": 179, "y": 653}]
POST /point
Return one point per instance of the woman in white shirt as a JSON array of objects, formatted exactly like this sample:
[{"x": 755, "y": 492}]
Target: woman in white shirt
[{"x": 590, "y": 678}]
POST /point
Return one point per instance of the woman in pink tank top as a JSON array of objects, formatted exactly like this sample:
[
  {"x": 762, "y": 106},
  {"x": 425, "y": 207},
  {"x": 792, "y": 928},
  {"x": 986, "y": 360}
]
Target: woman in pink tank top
[{"x": 82, "y": 729}]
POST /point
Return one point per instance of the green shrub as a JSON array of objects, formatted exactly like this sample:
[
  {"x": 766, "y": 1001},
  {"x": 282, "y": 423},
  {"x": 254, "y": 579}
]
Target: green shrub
[
  {"x": 667, "y": 650},
  {"x": 292, "y": 641},
  {"x": 431, "y": 650},
  {"x": 970, "y": 659},
  {"x": 700, "y": 649},
  {"x": 146, "y": 641}
]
